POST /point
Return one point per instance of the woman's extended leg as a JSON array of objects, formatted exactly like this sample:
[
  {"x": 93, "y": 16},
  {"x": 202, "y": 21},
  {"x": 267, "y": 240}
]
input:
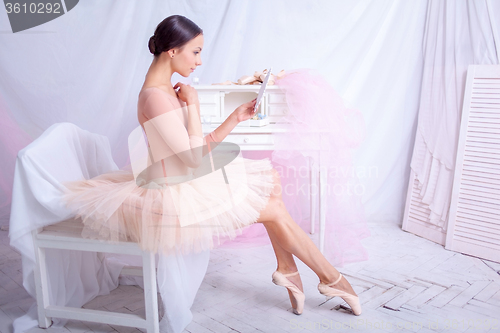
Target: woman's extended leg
[
  {"x": 288, "y": 238},
  {"x": 286, "y": 263}
]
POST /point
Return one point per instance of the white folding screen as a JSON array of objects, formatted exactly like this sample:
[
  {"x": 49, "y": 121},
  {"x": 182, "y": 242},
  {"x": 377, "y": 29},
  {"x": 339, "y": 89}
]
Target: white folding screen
[
  {"x": 473, "y": 223},
  {"x": 417, "y": 213},
  {"x": 474, "y": 216}
]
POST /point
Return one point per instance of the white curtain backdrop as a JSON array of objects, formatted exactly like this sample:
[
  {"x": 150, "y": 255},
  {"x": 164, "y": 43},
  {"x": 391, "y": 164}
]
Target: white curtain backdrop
[{"x": 457, "y": 34}]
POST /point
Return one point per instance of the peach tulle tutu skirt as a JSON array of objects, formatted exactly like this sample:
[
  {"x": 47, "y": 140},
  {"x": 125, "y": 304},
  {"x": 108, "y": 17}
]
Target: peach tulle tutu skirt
[{"x": 187, "y": 217}]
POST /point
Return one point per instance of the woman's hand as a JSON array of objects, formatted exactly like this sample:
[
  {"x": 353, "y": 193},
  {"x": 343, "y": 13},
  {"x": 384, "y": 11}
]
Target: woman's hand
[
  {"x": 186, "y": 93},
  {"x": 245, "y": 111}
]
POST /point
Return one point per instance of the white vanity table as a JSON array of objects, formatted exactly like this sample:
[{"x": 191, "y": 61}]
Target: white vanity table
[{"x": 219, "y": 101}]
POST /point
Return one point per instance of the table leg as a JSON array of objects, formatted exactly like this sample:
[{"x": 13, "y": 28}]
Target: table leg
[
  {"x": 323, "y": 172},
  {"x": 313, "y": 195}
]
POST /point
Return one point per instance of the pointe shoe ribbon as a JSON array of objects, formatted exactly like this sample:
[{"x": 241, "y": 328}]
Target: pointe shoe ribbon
[
  {"x": 257, "y": 78},
  {"x": 280, "y": 279},
  {"x": 329, "y": 291}
]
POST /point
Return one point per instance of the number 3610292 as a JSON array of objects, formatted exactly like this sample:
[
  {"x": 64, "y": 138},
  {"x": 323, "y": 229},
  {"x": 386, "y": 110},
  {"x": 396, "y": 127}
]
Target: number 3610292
[{"x": 33, "y": 8}]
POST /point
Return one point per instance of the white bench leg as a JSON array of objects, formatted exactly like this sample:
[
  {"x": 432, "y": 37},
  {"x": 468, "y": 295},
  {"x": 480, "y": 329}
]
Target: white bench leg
[
  {"x": 150, "y": 292},
  {"x": 42, "y": 287}
]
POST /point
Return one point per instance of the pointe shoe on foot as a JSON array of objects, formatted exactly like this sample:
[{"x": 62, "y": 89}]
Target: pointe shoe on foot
[
  {"x": 329, "y": 291},
  {"x": 298, "y": 296}
]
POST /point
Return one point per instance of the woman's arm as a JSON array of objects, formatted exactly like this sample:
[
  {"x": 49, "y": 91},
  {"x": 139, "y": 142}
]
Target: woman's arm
[
  {"x": 194, "y": 122},
  {"x": 242, "y": 113},
  {"x": 190, "y": 96},
  {"x": 226, "y": 127}
]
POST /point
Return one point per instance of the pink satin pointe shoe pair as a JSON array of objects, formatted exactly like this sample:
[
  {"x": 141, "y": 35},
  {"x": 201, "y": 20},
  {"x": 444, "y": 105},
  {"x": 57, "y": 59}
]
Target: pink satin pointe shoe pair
[
  {"x": 330, "y": 292},
  {"x": 325, "y": 289}
]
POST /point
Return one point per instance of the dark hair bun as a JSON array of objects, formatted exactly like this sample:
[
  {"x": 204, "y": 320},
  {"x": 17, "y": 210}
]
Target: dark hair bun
[
  {"x": 151, "y": 45},
  {"x": 172, "y": 32}
]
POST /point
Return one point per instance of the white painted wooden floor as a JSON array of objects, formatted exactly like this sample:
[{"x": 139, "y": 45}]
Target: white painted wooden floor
[{"x": 409, "y": 284}]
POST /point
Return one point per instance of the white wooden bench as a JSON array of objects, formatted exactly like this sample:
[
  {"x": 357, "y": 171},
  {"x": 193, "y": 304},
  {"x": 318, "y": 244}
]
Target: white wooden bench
[{"x": 66, "y": 235}]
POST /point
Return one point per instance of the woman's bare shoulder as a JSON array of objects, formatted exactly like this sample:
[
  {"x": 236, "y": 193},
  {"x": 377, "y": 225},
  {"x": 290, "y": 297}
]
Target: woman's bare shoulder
[
  {"x": 153, "y": 102},
  {"x": 169, "y": 90}
]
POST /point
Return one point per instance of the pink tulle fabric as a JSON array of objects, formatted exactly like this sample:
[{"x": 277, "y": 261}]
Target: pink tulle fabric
[
  {"x": 317, "y": 119},
  {"x": 115, "y": 207}
]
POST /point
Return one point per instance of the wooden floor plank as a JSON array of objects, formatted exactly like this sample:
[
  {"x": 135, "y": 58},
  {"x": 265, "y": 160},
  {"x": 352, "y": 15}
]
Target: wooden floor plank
[
  {"x": 384, "y": 298},
  {"x": 404, "y": 297},
  {"x": 488, "y": 292},
  {"x": 483, "y": 308},
  {"x": 446, "y": 296},
  {"x": 465, "y": 296},
  {"x": 425, "y": 296}
]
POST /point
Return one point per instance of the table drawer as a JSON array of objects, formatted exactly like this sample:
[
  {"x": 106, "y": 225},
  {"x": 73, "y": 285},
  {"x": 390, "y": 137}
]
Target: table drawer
[
  {"x": 277, "y": 110},
  {"x": 276, "y": 98},
  {"x": 210, "y": 109},
  {"x": 206, "y": 98},
  {"x": 250, "y": 139}
]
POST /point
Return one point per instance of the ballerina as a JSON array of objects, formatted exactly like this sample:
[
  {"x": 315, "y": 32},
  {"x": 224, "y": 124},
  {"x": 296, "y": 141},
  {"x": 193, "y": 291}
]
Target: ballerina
[
  {"x": 116, "y": 205},
  {"x": 181, "y": 52}
]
